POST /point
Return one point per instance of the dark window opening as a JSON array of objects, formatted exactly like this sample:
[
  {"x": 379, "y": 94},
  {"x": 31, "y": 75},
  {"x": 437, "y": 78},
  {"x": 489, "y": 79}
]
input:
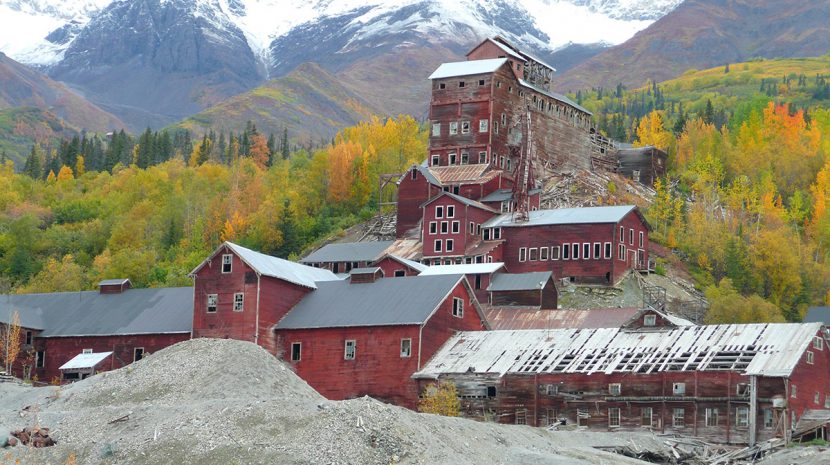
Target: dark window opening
[
  {"x": 138, "y": 353},
  {"x": 400, "y": 273},
  {"x": 296, "y": 351},
  {"x": 491, "y": 391}
]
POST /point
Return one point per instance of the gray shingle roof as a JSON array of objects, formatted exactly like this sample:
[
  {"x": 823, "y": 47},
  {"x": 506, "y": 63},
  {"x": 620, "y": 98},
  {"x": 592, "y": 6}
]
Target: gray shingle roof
[
  {"x": 584, "y": 215},
  {"x": 391, "y": 301},
  {"x": 348, "y": 252},
  {"x": 817, "y": 315},
  {"x": 89, "y": 313},
  {"x": 518, "y": 281}
]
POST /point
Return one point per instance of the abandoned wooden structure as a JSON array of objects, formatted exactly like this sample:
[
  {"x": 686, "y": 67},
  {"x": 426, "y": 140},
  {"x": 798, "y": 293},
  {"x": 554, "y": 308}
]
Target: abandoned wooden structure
[
  {"x": 342, "y": 257},
  {"x": 129, "y": 323},
  {"x": 737, "y": 384}
]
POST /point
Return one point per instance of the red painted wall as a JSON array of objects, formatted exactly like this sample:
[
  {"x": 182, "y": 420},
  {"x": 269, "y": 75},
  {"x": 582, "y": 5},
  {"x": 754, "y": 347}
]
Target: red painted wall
[
  {"x": 412, "y": 193},
  {"x": 389, "y": 266},
  {"x": 60, "y": 350},
  {"x": 464, "y": 214}
]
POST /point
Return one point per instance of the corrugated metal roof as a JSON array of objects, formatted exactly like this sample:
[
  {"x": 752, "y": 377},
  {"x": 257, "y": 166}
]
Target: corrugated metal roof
[
  {"x": 348, "y": 252},
  {"x": 391, "y": 301},
  {"x": 772, "y": 349},
  {"x": 519, "y": 281},
  {"x": 463, "y": 174},
  {"x": 503, "y": 318},
  {"x": 113, "y": 282},
  {"x": 471, "y": 268},
  {"x": 90, "y": 313},
  {"x": 410, "y": 263},
  {"x": 370, "y": 270},
  {"x": 499, "y": 195},
  {"x": 467, "y": 68},
  {"x": 817, "y": 315},
  {"x": 274, "y": 267},
  {"x": 82, "y": 361},
  {"x": 481, "y": 247},
  {"x": 582, "y": 215},
  {"x": 562, "y": 98}
]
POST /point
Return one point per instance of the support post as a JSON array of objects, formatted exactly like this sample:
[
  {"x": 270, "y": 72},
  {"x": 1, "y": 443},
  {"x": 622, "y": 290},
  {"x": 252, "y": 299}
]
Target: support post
[{"x": 753, "y": 409}]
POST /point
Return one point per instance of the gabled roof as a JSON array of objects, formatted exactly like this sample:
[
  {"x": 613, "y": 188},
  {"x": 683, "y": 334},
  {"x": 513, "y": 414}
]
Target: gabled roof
[
  {"x": 393, "y": 301},
  {"x": 673, "y": 320},
  {"x": 500, "y": 45},
  {"x": 467, "y": 68},
  {"x": 470, "y": 268},
  {"x": 82, "y": 361},
  {"x": 114, "y": 282},
  {"x": 90, "y": 313},
  {"x": 772, "y": 349},
  {"x": 519, "y": 281},
  {"x": 499, "y": 195},
  {"x": 583, "y": 215},
  {"x": 463, "y": 200},
  {"x": 348, "y": 252},
  {"x": 274, "y": 267},
  {"x": 403, "y": 261}
]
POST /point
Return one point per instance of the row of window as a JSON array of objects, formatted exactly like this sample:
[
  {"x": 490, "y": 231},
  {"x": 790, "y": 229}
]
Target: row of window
[
  {"x": 631, "y": 237},
  {"x": 461, "y": 84},
  {"x": 447, "y": 227},
  {"x": 465, "y": 126},
  {"x": 647, "y": 418},
  {"x": 458, "y": 260},
  {"x": 569, "y": 252},
  {"x": 238, "y": 302}
]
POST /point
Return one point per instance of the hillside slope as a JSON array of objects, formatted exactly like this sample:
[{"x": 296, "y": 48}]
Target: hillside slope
[
  {"x": 310, "y": 102},
  {"x": 707, "y": 33}
]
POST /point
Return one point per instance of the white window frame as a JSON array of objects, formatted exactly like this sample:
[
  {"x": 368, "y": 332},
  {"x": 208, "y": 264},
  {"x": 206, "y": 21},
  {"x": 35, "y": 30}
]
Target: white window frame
[
  {"x": 445, "y": 227},
  {"x": 450, "y": 211},
  {"x": 678, "y": 389},
  {"x": 455, "y": 227},
  {"x": 86, "y": 351},
  {"x": 543, "y": 254},
  {"x": 622, "y": 234},
  {"x": 215, "y": 306},
  {"x": 575, "y": 252},
  {"x": 741, "y": 417},
  {"x": 678, "y": 418},
  {"x": 227, "y": 260},
  {"x": 586, "y": 250},
  {"x": 810, "y": 357},
  {"x": 642, "y": 239},
  {"x": 135, "y": 353},
  {"x": 439, "y": 211},
  {"x": 532, "y": 254},
  {"x": 614, "y": 417},
  {"x": 438, "y": 246},
  {"x": 711, "y": 417},
  {"x": 435, "y": 160},
  {"x": 818, "y": 343},
  {"x": 646, "y": 413},
  {"x": 457, "y": 307},
  {"x": 436, "y": 129},
  {"x": 465, "y": 157},
  {"x": 597, "y": 250},
  {"x": 482, "y": 157},
  {"x": 452, "y": 158},
  {"x": 614, "y": 389},
  {"x": 465, "y": 127},
  {"x": 522, "y": 254},
  {"x": 239, "y": 302},
  {"x": 483, "y": 125},
  {"x": 609, "y": 252},
  {"x": 448, "y": 245},
  {"x": 793, "y": 391},
  {"x": 631, "y": 236},
  {"x": 350, "y": 349},
  {"x": 768, "y": 418},
  {"x": 453, "y": 128},
  {"x": 406, "y": 348},
  {"x": 299, "y": 352},
  {"x": 433, "y": 227},
  {"x": 650, "y": 320},
  {"x": 521, "y": 417},
  {"x": 555, "y": 252},
  {"x": 621, "y": 252},
  {"x": 566, "y": 251}
]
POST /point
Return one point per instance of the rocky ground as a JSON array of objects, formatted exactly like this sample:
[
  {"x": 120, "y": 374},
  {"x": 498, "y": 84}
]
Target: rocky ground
[{"x": 220, "y": 401}]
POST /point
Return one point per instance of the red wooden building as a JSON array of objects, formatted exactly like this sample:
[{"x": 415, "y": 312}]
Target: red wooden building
[
  {"x": 451, "y": 229},
  {"x": 240, "y": 294},
  {"x": 129, "y": 323},
  {"x": 394, "y": 266},
  {"x": 737, "y": 384},
  {"x": 342, "y": 257},
  {"x": 366, "y": 337}
]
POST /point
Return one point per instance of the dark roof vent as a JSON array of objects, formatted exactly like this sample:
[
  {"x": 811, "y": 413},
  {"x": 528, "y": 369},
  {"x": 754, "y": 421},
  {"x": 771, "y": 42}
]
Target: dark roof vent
[
  {"x": 365, "y": 275},
  {"x": 114, "y": 286}
]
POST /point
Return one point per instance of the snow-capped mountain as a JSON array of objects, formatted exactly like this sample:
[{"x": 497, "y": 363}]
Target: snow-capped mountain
[{"x": 39, "y": 32}]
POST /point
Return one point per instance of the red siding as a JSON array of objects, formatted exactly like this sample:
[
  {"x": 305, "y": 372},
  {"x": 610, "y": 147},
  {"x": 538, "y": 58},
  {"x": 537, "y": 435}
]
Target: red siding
[
  {"x": 463, "y": 215},
  {"x": 412, "y": 193},
  {"x": 443, "y": 324},
  {"x": 390, "y": 266},
  {"x": 60, "y": 350}
]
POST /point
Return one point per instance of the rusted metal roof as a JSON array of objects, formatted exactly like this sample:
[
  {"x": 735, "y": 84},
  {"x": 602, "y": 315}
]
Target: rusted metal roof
[
  {"x": 534, "y": 318},
  {"x": 772, "y": 349},
  {"x": 406, "y": 248},
  {"x": 481, "y": 247},
  {"x": 463, "y": 174}
]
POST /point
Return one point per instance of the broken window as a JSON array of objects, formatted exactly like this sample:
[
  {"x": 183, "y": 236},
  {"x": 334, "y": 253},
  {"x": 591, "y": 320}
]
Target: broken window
[
  {"x": 711, "y": 417},
  {"x": 461, "y": 83},
  {"x": 465, "y": 127},
  {"x": 406, "y": 348},
  {"x": 482, "y": 125},
  {"x": 614, "y": 389},
  {"x": 614, "y": 417},
  {"x": 677, "y": 389},
  {"x": 818, "y": 344},
  {"x": 742, "y": 417},
  {"x": 350, "y": 349},
  {"x": 238, "y": 302},
  {"x": 465, "y": 158},
  {"x": 138, "y": 353},
  {"x": 457, "y": 307},
  {"x": 522, "y": 254},
  {"x": 212, "y": 301},
  {"x": 496, "y": 233},
  {"x": 678, "y": 418},
  {"x": 296, "y": 351},
  {"x": 521, "y": 417},
  {"x": 646, "y": 417},
  {"x": 768, "y": 417},
  {"x": 453, "y": 128},
  {"x": 650, "y": 320},
  {"x": 40, "y": 359},
  {"x": 436, "y": 129},
  {"x": 227, "y": 263}
]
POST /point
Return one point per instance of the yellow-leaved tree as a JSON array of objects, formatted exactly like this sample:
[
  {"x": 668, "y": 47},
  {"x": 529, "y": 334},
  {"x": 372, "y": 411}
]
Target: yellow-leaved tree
[
  {"x": 440, "y": 400},
  {"x": 65, "y": 174},
  {"x": 652, "y": 132},
  {"x": 10, "y": 341}
]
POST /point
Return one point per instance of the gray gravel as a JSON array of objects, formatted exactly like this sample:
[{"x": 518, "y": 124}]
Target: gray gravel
[{"x": 220, "y": 401}]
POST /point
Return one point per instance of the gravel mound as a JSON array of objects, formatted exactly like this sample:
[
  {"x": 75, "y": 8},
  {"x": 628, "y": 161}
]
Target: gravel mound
[{"x": 219, "y": 401}]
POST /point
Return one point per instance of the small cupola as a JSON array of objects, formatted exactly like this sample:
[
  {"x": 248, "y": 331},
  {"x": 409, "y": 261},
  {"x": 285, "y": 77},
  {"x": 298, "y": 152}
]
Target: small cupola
[
  {"x": 365, "y": 275},
  {"x": 114, "y": 286}
]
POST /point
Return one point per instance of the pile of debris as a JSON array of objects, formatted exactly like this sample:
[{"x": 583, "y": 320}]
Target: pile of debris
[{"x": 34, "y": 437}]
